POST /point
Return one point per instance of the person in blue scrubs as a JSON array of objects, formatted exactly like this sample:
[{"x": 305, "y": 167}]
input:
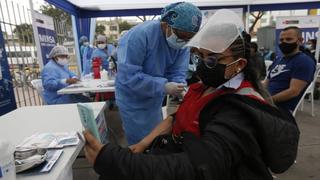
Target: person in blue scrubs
[
  {"x": 104, "y": 50},
  {"x": 152, "y": 62},
  {"x": 86, "y": 51},
  {"x": 56, "y": 75},
  {"x": 84, "y": 43},
  {"x": 85, "y": 55}
]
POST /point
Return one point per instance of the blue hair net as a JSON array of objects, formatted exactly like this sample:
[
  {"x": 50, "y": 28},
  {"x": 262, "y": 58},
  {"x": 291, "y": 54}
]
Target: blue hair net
[
  {"x": 83, "y": 39},
  {"x": 183, "y": 16}
]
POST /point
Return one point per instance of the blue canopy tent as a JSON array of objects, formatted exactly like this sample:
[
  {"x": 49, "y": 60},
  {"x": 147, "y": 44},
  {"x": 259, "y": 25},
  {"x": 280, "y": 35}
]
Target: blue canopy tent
[{"x": 83, "y": 11}]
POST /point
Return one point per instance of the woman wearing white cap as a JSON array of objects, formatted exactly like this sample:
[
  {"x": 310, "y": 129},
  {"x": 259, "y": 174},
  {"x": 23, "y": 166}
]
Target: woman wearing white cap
[
  {"x": 225, "y": 129},
  {"x": 56, "y": 75}
]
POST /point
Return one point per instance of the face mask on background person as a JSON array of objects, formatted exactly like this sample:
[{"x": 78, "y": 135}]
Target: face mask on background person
[
  {"x": 174, "y": 42},
  {"x": 214, "y": 76},
  {"x": 102, "y": 46},
  {"x": 86, "y": 43},
  {"x": 63, "y": 61},
  {"x": 287, "y": 48},
  {"x": 308, "y": 46}
]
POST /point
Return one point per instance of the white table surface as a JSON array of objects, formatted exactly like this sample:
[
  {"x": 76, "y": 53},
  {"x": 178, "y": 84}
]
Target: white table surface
[
  {"x": 26, "y": 121},
  {"x": 93, "y": 85}
]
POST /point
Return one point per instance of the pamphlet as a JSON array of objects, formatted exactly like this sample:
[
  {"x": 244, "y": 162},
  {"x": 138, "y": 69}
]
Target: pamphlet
[
  {"x": 96, "y": 126},
  {"x": 45, "y": 167},
  {"x": 53, "y": 156}
]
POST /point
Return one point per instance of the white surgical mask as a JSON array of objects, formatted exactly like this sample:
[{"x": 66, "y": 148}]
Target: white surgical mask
[
  {"x": 102, "y": 46},
  {"x": 86, "y": 43},
  {"x": 174, "y": 42},
  {"x": 308, "y": 46},
  {"x": 63, "y": 61}
]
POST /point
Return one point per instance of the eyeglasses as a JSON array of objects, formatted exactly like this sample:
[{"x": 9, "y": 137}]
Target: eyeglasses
[{"x": 212, "y": 61}]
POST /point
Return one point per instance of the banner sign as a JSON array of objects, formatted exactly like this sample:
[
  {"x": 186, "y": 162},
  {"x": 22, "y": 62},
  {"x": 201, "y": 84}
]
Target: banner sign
[
  {"x": 7, "y": 99},
  {"x": 46, "y": 35}
]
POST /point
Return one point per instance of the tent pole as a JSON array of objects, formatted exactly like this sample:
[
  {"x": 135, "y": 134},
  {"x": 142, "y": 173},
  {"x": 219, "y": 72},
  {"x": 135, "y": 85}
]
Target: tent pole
[
  {"x": 247, "y": 19},
  {"x": 76, "y": 44},
  {"x": 92, "y": 29},
  {"x": 318, "y": 45}
]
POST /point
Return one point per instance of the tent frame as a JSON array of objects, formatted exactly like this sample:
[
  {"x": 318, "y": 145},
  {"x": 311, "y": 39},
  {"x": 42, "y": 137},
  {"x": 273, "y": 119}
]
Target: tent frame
[{"x": 83, "y": 20}]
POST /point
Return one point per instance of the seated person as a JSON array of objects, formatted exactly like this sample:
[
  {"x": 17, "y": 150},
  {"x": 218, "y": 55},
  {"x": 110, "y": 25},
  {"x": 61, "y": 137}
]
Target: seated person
[
  {"x": 259, "y": 61},
  {"x": 224, "y": 129},
  {"x": 191, "y": 75},
  {"x": 290, "y": 75},
  {"x": 56, "y": 75},
  {"x": 311, "y": 45}
]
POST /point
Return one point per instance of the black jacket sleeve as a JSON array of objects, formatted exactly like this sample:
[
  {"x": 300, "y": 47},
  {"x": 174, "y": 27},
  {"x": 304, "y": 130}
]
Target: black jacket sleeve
[
  {"x": 114, "y": 162},
  {"x": 227, "y": 139}
]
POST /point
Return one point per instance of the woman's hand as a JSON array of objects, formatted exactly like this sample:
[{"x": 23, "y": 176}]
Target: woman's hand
[
  {"x": 139, "y": 147},
  {"x": 92, "y": 147}
]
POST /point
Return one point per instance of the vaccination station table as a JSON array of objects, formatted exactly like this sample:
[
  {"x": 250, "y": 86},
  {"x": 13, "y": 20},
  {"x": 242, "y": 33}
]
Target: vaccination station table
[
  {"x": 92, "y": 85},
  {"x": 26, "y": 121}
]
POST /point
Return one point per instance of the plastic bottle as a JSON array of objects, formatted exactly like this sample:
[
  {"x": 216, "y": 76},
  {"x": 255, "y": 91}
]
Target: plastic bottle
[
  {"x": 7, "y": 166},
  {"x": 104, "y": 75},
  {"x": 110, "y": 70},
  {"x": 0, "y": 72}
]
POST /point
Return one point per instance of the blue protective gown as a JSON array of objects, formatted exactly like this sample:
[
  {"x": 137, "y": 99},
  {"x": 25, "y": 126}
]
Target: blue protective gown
[
  {"x": 52, "y": 80},
  {"x": 104, "y": 54},
  {"x": 145, "y": 64},
  {"x": 87, "y": 61},
  {"x": 82, "y": 48}
]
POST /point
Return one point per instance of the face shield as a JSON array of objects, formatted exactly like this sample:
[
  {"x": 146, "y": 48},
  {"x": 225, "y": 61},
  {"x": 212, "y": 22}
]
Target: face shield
[{"x": 221, "y": 30}]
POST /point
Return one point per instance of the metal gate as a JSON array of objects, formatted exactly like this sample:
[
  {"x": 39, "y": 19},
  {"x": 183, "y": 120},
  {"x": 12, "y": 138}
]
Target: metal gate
[{"x": 16, "y": 24}]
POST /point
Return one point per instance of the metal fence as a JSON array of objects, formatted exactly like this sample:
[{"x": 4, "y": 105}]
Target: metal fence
[{"x": 16, "y": 24}]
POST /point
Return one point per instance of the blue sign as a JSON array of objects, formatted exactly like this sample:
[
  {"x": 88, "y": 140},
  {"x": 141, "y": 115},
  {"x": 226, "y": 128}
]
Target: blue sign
[
  {"x": 47, "y": 40},
  {"x": 7, "y": 99}
]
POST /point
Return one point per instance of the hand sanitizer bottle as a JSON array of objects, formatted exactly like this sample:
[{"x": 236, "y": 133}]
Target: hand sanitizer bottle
[
  {"x": 104, "y": 75},
  {"x": 7, "y": 166}
]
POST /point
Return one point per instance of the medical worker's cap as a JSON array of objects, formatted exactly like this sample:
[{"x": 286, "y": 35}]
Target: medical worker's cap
[
  {"x": 58, "y": 50},
  {"x": 101, "y": 38},
  {"x": 83, "y": 39},
  {"x": 221, "y": 30},
  {"x": 183, "y": 16}
]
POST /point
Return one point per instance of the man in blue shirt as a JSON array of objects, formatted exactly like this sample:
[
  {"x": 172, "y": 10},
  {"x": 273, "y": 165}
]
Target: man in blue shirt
[{"x": 290, "y": 75}]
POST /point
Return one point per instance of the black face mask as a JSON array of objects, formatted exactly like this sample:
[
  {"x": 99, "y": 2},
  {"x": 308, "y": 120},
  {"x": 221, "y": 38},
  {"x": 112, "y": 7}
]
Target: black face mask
[
  {"x": 213, "y": 77},
  {"x": 287, "y": 48}
]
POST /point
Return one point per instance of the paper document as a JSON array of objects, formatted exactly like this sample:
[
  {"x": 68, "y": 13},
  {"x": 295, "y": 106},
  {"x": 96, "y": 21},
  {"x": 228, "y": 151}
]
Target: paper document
[{"x": 52, "y": 158}]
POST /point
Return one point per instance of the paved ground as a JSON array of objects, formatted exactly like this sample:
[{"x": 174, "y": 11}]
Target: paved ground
[{"x": 308, "y": 160}]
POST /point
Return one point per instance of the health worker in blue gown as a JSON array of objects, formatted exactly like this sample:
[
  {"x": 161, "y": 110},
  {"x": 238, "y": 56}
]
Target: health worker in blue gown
[
  {"x": 85, "y": 55},
  {"x": 104, "y": 51},
  {"x": 56, "y": 75},
  {"x": 152, "y": 62},
  {"x": 83, "y": 43}
]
